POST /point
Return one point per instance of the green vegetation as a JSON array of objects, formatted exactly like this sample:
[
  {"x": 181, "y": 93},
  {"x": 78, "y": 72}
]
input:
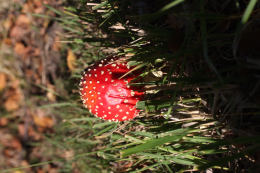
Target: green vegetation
[{"x": 201, "y": 86}]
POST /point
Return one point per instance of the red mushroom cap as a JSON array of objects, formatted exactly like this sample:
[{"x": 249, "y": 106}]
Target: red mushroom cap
[{"x": 105, "y": 94}]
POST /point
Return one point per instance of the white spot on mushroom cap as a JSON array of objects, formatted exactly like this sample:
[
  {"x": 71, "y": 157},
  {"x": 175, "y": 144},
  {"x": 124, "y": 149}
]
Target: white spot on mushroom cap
[{"x": 125, "y": 117}]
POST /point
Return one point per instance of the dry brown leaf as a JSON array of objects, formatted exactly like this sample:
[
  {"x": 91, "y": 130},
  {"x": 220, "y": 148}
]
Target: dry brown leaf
[
  {"x": 2, "y": 81},
  {"x": 50, "y": 94},
  {"x": 41, "y": 120},
  {"x": 13, "y": 96},
  {"x": 20, "y": 49},
  {"x": 13, "y": 100},
  {"x": 3, "y": 121},
  {"x": 23, "y": 20},
  {"x": 71, "y": 60},
  {"x": 17, "y": 33}
]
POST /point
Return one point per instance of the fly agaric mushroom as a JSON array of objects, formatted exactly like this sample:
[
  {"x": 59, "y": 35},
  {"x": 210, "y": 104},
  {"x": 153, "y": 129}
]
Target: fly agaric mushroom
[{"x": 107, "y": 93}]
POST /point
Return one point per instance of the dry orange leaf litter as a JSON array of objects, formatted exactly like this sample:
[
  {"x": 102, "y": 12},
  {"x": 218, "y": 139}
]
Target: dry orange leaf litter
[
  {"x": 2, "y": 81},
  {"x": 71, "y": 60}
]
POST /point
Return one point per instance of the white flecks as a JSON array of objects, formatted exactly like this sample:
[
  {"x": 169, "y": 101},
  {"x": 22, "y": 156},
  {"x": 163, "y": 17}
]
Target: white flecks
[
  {"x": 117, "y": 67},
  {"x": 109, "y": 112},
  {"x": 96, "y": 110},
  {"x": 86, "y": 86},
  {"x": 102, "y": 61},
  {"x": 121, "y": 95},
  {"x": 89, "y": 75},
  {"x": 81, "y": 89},
  {"x": 127, "y": 113},
  {"x": 80, "y": 83},
  {"x": 119, "y": 89},
  {"x": 127, "y": 86},
  {"x": 110, "y": 72},
  {"x": 120, "y": 110},
  {"x": 125, "y": 101},
  {"x": 117, "y": 106},
  {"x": 90, "y": 110},
  {"x": 97, "y": 107},
  {"x": 92, "y": 101},
  {"x": 87, "y": 99},
  {"x": 89, "y": 69},
  {"x": 116, "y": 115},
  {"x": 125, "y": 117},
  {"x": 84, "y": 82},
  {"x": 99, "y": 98},
  {"x": 95, "y": 75},
  {"x": 98, "y": 93},
  {"x": 95, "y": 69},
  {"x": 92, "y": 95},
  {"x": 112, "y": 80},
  {"x": 90, "y": 82},
  {"x": 98, "y": 81},
  {"x": 84, "y": 101},
  {"x": 104, "y": 116},
  {"x": 90, "y": 92},
  {"x": 132, "y": 93},
  {"x": 100, "y": 65},
  {"x": 108, "y": 107},
  {"x": 90, "y": 106},
  {"x": 94, "y": 88},
  {"x": 103, "y": 86},
  {"x": 106, "y": 79},
  {"x": 113, "y": 65},
  {"x": 84, "y": 94},
  {"x": 102, "y": 72},
  {"x": 101, "y": 104}
]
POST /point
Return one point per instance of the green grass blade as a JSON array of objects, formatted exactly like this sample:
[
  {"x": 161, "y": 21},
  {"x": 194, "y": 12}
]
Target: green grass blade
[
  {"x": 248, "y": 11},
  {"x": 151, "y": 144}
]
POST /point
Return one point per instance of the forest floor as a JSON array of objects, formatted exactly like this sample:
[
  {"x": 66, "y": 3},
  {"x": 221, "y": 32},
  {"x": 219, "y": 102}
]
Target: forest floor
[{"x": 30, "y": 61}]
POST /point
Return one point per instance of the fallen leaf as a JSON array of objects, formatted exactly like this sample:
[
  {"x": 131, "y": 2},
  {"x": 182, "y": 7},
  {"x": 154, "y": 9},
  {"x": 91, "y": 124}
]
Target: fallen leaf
[
  {"x": 13, "y": 102},
  {"x": 42, "y": 120},
  {"x": 20, "y": 49},
  {"x": 3, "y": 121},
  {"x": 71, "y": 58},
  {"x": 13, "y": 96},
  {"x": 50, "y": 94},
  {"x": 2, "y": 81},
  {"x": 23, "y": 20}
]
